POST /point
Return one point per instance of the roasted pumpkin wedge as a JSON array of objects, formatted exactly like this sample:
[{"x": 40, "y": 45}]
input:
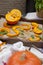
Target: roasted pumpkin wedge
[
  {"x": 26, "y": 26},
  {"x": 34, "y": 38},
  {"x": 37, "y": 30},
  {"x": 4, "y": 31},
  {"x": 16, "y": 27},
  {"x": 17, "y": 32},
  {"x": 14, "y": 34},
  {"x": 34, "y": 24}
]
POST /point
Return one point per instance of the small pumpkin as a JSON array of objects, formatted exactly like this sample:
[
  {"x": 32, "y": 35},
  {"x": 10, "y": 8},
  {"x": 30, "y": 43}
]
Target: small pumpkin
[
  {"x": 37, "y": 30},
  {"x": 13, "y": 17},
  {"x": 34, "y": 38},
  {"x": 23, "y": 58}
]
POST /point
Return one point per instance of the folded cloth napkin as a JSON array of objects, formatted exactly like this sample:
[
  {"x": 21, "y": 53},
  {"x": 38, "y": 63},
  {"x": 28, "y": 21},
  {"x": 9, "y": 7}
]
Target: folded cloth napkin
[
  {"x": 18, "y": 46},
  {"x": 5, "y": 54},
  {"x": 32, "y": 16}
]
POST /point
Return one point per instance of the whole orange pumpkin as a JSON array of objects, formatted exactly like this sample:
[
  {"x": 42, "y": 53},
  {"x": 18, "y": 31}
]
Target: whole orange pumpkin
[{"x": 23, "y": 58}]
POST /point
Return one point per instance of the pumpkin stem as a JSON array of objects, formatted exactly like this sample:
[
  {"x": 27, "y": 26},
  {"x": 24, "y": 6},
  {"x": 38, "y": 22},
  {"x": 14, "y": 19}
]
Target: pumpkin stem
[{"x": 23, "y": 56}]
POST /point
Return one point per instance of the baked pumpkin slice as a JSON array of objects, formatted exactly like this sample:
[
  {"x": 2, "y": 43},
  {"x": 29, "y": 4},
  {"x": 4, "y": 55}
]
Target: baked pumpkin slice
[
  {"x": 34, "y": 38},
  {"x": 4, "y": 31},
  {"x": 13, "y": 34},
  {"x": 34, "y": 24},
  {"x": 26, "y": 26},
  {"x": 16, "y": 32},
  {"x": 37, "y": 30}
]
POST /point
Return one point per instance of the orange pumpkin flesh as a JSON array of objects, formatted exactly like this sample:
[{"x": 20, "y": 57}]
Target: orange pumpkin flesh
[{"x": 29, "y": 59}]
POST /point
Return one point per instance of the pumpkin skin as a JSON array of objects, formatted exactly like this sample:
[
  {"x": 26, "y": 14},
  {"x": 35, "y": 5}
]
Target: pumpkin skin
[{"x": 30, "y": 59}]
